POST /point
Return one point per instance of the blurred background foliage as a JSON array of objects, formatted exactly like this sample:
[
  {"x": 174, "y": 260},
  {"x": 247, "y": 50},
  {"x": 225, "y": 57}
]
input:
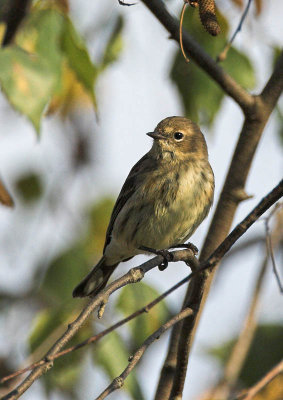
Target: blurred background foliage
[{"x": 47, "y": 71}]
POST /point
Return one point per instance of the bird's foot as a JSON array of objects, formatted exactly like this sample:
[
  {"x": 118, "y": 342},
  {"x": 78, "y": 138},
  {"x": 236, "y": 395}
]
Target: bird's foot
[
  {"x": 167, "y": 256},
  {"x": 188, "y": 245}
]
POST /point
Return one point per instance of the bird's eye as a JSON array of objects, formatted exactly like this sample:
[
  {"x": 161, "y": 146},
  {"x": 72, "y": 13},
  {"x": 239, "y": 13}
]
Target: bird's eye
[{"x": 178, "y": 136}]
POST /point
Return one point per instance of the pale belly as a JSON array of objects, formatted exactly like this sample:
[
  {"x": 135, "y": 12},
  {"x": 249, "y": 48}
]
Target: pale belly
[{"x": 161, "y": 223}]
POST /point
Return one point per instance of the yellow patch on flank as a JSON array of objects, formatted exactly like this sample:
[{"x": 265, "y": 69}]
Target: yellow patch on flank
[
  {"x": 28, "y": 40},
  {"x": 2, "y": 31},
  {"x": 20, "y": 79}
]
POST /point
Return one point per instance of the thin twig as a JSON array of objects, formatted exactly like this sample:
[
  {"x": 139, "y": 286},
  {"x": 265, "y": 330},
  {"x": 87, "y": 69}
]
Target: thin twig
[
  {"x": 118, "y": 382},
  {"x": 241, "y": 348},
  {"x": 252, "y": 392},
  {"x": 181, "y": 31},
  {"x": 269, "y": 248},
  {"x": 222, "y": 56}
]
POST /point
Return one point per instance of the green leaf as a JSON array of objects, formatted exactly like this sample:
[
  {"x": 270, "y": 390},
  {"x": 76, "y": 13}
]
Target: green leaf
[
  {"x": 64, "y": 273},
  {"x": 68, "y": 268},
  {"x": 112, "y": 355},
  {"x": 265, "y": 352},
  {"x": 41, "y": 34},
  {"x": 133, "y": 297},
  {"x": 28, "y": 82},
  {"x": 48, "y": 325},
  {"x": 98, "y": 218},
  {"x": 31, "y": 71},
  {"x": 238, "y": 65},
  {"x": 78, "y": 59},
  {"x": 114, "y": 45},
  {"x": 29, "y": 187},
  {"x": 201, "y": 96}
]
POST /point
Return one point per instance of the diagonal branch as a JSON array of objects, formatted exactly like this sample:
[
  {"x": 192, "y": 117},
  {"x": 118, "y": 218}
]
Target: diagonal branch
[
  {"x": 233, "y": 193},
  {"x": 201, "y": 58},
  {"x": 118, "y": 382}
]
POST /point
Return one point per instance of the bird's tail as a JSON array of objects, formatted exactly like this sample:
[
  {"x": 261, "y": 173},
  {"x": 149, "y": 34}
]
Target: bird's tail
[{"x": 95, "y": 281}]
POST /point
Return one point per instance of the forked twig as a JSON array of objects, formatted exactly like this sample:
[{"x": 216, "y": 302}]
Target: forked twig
[{"x": 222, "y": 56}]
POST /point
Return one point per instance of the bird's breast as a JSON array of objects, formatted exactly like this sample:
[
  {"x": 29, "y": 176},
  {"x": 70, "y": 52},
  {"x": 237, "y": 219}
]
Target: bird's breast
[{"x": 166, "y": 208}]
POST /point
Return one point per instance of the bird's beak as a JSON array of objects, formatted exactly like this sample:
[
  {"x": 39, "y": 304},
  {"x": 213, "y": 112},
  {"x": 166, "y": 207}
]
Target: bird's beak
[{"x": 156, "y": 135}]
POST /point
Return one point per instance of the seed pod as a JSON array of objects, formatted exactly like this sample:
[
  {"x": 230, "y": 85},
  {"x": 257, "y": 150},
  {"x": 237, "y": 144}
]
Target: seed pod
[{"x": 208, "y": 16}]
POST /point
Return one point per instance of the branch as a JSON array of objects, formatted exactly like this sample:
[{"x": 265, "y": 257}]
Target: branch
[
  {"x": 15, "y": 13},
  {"x": 202, "y": 59},
  {"x": 251, "y": 393},
  {"x": 118, "y": 382},
  {"x": 221, "y": 223},
  {"x": 241, "y": 348},
  {"x": 137, "y": 273},
  {"x": 133, "y": 276},
  {"x": 273, "y": 88}
]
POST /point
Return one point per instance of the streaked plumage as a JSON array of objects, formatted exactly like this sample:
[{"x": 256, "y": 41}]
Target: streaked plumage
[{"x": 166, "y": 195}]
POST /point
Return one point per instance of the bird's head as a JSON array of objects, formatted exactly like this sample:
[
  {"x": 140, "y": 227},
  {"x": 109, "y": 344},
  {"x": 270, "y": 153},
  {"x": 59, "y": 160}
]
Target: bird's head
[{"x": 179, "y": 138}]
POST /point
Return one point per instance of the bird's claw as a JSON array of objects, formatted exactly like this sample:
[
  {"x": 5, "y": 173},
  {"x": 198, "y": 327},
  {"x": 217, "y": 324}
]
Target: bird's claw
[
  {"x": 167, "y": 256},
  {"x": 188, "y": 245}
]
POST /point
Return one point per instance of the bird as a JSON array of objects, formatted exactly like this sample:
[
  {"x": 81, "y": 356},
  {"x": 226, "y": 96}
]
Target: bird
[{"x": 165, "y": 197}]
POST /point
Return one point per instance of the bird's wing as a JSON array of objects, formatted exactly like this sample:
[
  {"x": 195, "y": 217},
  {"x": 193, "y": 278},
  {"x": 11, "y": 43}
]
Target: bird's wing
[{"x": 135, "y": 178}]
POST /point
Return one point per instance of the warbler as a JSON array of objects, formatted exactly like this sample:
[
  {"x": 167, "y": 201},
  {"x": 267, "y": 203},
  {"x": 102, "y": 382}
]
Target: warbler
[{"x": 165, "y": 197}]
